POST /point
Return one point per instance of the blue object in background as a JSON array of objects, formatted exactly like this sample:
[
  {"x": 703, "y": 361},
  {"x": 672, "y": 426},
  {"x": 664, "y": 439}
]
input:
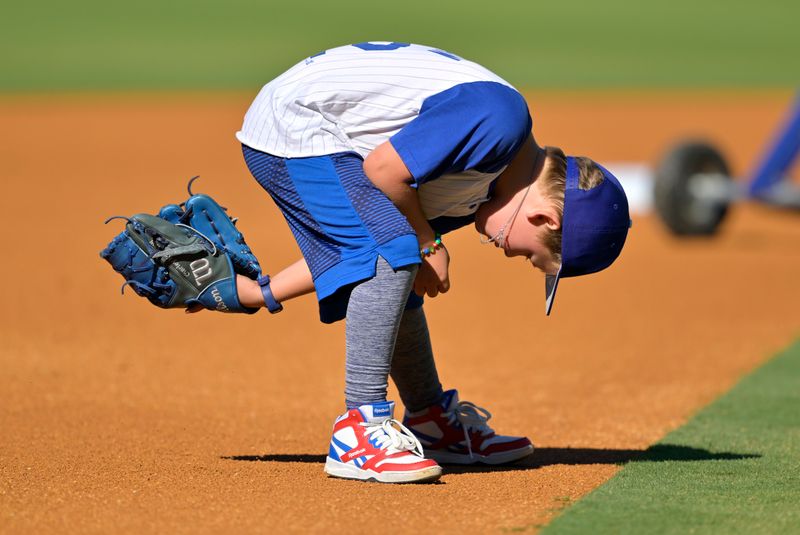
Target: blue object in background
[{"x": 775, "y": 166}]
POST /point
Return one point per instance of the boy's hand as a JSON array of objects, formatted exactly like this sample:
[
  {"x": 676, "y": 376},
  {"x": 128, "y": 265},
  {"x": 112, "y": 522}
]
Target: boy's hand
[
  {"x": 389, "y": 173},
  {"x": 433, "y": 277}
]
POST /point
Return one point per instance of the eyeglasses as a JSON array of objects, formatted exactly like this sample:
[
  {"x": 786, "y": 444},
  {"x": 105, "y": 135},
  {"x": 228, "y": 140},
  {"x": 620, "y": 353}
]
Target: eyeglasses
[{"x": 500, "y": 238}]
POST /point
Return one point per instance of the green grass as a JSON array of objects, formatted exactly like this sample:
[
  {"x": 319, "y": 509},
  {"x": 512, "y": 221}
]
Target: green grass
[
  {"x": 202, "y": 44},
  {"x": 734, "y": 468}
]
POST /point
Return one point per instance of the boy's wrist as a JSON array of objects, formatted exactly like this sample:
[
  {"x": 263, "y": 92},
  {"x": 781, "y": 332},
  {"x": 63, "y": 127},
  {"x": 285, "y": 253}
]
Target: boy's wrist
[
  {"x": 429, "y": 249},
  {"x": 425, "y": 235},
  {"x": 427, "y": 241}
]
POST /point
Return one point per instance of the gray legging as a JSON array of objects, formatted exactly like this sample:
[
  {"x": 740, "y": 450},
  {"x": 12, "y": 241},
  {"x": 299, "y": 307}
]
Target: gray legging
[{"x": 381, "y": 338}]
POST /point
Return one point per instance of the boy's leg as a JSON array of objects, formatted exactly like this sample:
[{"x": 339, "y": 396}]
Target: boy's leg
[
  {"x": 413, "y": 367},
  {"x": 451, "y": 431},
  {"x": 362, "y": 445},
  {"x": 373, "y": 318}
]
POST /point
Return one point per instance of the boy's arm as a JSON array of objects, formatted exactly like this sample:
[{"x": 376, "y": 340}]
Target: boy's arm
[
  {"x": 386, "y": 170},
  {"x": 292, "y": 281},
  {"x": 389, "y": 173}
]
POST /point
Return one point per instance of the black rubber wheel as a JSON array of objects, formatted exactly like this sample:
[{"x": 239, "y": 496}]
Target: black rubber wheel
[{"x": 681, "y": 208}]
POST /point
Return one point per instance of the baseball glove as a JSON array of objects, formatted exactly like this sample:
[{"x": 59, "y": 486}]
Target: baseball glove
[{"x": 189, "y": 254}]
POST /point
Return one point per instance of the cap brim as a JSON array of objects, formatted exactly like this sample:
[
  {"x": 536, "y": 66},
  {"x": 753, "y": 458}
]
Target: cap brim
[{"x": 550, "y": 287}]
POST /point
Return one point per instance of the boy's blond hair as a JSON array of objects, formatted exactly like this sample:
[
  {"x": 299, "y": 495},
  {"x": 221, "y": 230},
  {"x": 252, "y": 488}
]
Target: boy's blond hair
[{"x": 554, "y": 181}]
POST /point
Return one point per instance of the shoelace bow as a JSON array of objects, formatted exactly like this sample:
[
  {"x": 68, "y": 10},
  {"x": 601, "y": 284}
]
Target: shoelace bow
[
  {"x": 392, "y": 435},
  {"x": 470, "y": 416}
]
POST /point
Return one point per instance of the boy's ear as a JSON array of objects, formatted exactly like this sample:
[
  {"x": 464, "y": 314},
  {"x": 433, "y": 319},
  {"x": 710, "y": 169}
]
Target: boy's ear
[{"x": 542, "y": 215}]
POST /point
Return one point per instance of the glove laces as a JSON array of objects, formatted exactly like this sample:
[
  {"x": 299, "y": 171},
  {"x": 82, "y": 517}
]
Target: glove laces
[
  {"x": 469, "y": 416},
  {"x": 393, "y": 436}
]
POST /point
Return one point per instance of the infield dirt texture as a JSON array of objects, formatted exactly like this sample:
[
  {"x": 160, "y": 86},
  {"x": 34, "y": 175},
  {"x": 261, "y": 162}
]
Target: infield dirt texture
[
  {"x": 117, "y": 417},
  {"x": 121, "y": 418}
]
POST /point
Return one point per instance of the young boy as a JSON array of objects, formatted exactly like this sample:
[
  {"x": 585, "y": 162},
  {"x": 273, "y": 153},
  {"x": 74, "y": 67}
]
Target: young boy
[{"x": 372, "y": 152}]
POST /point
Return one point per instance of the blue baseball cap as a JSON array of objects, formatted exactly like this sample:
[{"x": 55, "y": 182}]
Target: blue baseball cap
[{"x": 593, "y": 228}]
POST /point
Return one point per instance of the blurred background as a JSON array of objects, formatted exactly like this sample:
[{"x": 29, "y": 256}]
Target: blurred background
[
  {"x": 609, "y": 49},
  {"x": 239, "y": 44}
]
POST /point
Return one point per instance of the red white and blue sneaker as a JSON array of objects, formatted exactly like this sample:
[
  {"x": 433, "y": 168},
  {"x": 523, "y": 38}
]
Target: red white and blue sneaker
[
  {"x": 370, "y": 445},
  {"x": 455, "y": 432}
]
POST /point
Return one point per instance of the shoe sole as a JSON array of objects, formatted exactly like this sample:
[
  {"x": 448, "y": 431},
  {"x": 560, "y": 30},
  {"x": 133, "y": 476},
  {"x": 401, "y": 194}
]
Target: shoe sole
[
  {"x": 446, "y": 457},
  {"x": 348, "y": 471}
]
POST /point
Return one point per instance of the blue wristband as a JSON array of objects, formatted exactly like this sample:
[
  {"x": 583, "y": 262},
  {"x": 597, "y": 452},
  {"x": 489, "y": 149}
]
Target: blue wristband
[{"x": 272, "y": 305}]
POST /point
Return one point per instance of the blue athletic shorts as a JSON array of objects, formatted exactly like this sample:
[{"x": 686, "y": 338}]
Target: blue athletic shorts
[{"x": 340, "y": 220}]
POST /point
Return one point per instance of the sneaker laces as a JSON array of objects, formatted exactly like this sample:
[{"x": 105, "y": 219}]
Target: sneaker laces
[
  {"x": 394, "y": 439},
  {"x": 470, "y": 416}
]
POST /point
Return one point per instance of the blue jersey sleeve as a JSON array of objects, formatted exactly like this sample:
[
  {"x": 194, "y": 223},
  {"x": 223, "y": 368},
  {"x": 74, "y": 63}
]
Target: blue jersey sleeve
[{"x": 478, "y": 125}]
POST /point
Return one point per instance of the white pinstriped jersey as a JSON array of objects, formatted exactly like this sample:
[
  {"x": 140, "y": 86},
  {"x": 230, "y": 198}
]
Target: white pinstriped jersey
[{"x": 355, "y": 97}]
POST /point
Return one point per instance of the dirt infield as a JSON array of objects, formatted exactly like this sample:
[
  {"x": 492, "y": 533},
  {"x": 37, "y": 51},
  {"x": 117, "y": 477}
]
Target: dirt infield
[{"x": 118, "y": 417}]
